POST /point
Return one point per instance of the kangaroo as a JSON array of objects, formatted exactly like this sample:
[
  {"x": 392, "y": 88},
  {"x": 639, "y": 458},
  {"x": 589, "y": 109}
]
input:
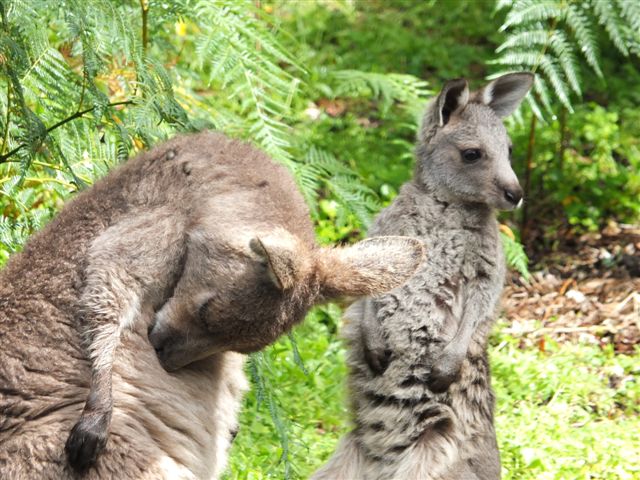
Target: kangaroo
[
  {"x": 185, "y": 257},
  {"x": 419, "y": 376}
]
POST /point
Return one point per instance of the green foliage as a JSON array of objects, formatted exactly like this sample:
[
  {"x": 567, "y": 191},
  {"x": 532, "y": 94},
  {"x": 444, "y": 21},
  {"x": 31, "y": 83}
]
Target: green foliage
[
  {"x": 570, "y": 411},
  {"x": 83, "y": 87},
  {"x": 548, "y": 37},
  {"x": 589, "y": 174},
  {"x": 515, "y": 255},
  {"x": 311, "y": 405},
  {"x": 122, "y": 86}
]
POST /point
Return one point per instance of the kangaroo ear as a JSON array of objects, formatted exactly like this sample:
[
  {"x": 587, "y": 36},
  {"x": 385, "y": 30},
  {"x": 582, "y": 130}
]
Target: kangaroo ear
[
  {"x": 369, "y": 267},
  {"x": 453, "y": 97},
  {"x": 287, "y": 259},
  {"x": 505, "y": 93}
]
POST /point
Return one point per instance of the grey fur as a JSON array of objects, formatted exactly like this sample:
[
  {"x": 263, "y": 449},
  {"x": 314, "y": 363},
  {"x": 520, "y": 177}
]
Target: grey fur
[
  {"x": 420, "y": 387},
  {"x": 215, "y": 238}
]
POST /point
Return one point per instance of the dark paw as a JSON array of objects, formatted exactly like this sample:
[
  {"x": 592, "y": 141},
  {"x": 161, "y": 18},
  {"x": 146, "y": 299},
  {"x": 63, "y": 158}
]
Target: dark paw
[
  {"x": 377, "y": 359},
  {"x": 87, "y": 439},
  {"x": 442, "y": 375}
]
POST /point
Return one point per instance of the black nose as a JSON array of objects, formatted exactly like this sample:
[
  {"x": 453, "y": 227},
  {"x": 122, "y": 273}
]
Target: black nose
[{"x": 513, "y": 195}]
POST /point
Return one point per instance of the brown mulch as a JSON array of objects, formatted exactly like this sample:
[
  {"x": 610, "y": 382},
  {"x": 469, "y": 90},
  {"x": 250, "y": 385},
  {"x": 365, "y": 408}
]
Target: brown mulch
[{"x": 588, "y": 291}]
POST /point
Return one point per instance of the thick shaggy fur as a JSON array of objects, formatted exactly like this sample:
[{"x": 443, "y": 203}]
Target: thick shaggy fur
[
  {"x": 420, "y": 387},
  {"x": 207, "y": 244}
]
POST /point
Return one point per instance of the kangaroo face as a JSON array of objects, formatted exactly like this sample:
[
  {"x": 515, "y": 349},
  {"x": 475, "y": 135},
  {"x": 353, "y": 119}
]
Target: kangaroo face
[
  {"x": 464, "y": 151},
  {"x": 242, "y": 298}
]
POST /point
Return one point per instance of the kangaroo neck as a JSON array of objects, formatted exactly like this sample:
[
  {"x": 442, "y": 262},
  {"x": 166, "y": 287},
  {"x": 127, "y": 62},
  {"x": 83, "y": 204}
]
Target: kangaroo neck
[{"x": 451, "y": 212}]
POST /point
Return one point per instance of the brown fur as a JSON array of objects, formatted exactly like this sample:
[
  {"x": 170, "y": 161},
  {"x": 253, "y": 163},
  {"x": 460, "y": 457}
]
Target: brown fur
[{"x": 213, "y": 236}]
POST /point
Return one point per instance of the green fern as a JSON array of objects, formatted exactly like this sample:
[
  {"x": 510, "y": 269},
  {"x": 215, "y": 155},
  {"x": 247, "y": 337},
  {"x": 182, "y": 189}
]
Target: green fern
[
  {"x": 515, "y": 255},
  {"x": 389, "y": 88},
  {"x": 548, "y": 37}
]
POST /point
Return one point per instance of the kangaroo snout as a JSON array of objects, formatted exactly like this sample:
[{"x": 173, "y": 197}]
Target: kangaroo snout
[
  {"x": 160, "y": 339},
  {"x": 513, "y": 195}
]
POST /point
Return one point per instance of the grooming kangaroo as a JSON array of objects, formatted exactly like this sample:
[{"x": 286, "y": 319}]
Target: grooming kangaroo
[
  {"x": 419, "y": 381},
  {"x": 215, "y": 238}
]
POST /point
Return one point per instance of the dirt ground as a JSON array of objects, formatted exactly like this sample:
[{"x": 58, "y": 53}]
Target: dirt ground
[{"x": 587, "y": 290}]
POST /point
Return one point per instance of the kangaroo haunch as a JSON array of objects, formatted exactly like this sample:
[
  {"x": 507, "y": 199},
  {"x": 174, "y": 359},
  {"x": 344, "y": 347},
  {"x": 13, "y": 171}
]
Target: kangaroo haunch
[{"x": 185, "y": 255}]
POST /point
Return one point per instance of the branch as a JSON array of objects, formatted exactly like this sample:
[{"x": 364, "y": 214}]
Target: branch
[
  {"x": 3, "y": 158},
  {"x": 145, "y": 29}
]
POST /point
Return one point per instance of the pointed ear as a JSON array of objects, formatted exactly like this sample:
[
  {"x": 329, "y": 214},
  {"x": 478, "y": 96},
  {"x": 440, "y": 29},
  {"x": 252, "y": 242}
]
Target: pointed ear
[
  {"x": 505, "y": 93},
  {"x": 286, "y": 258},
  {"x": 369, "y": 267},
  {"x": 453, "y": 98}
]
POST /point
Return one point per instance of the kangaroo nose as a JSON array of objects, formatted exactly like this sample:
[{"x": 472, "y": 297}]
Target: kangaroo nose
[{"x": 513, "y": 195}]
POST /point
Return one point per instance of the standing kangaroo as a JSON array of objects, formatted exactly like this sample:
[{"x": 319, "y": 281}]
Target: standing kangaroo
[
  {"x": 206, "y": 243},
  {"x": 420, "y": 386}
]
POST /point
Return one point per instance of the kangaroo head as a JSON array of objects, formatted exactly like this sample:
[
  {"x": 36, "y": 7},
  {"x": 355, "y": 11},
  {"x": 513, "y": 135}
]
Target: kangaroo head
[
  {"x": 242, "y": 294},
  {"x": 464, "y": 151}
]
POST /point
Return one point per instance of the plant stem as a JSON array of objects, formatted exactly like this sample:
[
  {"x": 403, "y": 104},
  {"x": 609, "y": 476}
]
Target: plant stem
[
  {"x": 564, "y": 138},
  {"x": 145, "y": 28},
  {"x": 527, "y": 180},
  {"x": 5, "y": 139},
  {"x": 3, "y": 158}
]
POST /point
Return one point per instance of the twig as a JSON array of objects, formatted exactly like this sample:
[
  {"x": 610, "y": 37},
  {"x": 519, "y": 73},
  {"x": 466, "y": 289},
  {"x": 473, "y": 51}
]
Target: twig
[
  {"x": 3, "y": 158},
  {"x": 8, "y": 119},
  {"x": 524, "y": 234},
  {"x": 536, "y": 332},
  {"x": 145, "y": 29}
]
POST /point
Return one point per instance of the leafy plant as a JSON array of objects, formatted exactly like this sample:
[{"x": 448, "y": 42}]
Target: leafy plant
[
  {"x": 548, "y": 37},
  {"x": 128, "y": 74}
]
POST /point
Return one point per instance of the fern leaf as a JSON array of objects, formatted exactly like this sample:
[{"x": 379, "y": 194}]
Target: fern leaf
[
  {"x": 583, "y": 31},
  {"x": 631, "y": 13},
  {"x": 515, "y": 255},
  {"x": 530, "y": 11},
  {"x": 552, "y": 71},
  {"x": 524, "y": 39},
  {"x": 610, "y": 19},
  {"x": 563, "y": 51}
]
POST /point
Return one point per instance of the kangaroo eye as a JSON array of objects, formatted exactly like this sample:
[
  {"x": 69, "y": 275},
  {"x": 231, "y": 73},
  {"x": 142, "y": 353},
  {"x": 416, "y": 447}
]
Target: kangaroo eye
[
  {"x": 510, "y": 150},
  {"x": 471, "y": 155}
]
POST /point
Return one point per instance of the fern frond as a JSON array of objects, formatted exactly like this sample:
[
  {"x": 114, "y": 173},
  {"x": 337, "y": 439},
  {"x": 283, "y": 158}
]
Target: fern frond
[
  {"x": 389, "y": 87},
  {"x": 550, "y": 68},
  {"x": 515, "y": 255},
  {"x": 524, "y": 39},
  {"x": 545, "y": 36},
  {"x": 583, "y": 31},
  {"x": 611, "y": 20},
  {"x": 542, "y": 90},
  {"x": 631, "y": 14},
  {"x": 531, "y": 11},
  {"x": 564, "y": 53}
]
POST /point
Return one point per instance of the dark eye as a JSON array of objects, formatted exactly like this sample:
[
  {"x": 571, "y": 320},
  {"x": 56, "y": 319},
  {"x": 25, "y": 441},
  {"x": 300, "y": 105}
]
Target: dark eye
[
  {"x": 510, "y": 150},
  {"x": 471, "y": 155}
]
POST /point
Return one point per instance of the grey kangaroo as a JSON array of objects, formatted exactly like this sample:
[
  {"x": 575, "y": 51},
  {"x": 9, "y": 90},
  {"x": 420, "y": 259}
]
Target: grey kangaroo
[
  {"x": 206, "y": 243},
  {"x": 419, "y": 381}
]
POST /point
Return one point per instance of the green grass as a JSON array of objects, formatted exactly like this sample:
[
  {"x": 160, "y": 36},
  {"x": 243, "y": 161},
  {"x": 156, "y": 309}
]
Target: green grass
[{"x": 558, "y": 415}]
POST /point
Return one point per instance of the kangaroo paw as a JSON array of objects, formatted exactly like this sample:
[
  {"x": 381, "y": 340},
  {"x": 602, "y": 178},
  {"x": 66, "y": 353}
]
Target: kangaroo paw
[
  {"x": 87, "y": 439},
  {"x": 378, "y": 359},
  {"x": 445, "y": 371}
]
